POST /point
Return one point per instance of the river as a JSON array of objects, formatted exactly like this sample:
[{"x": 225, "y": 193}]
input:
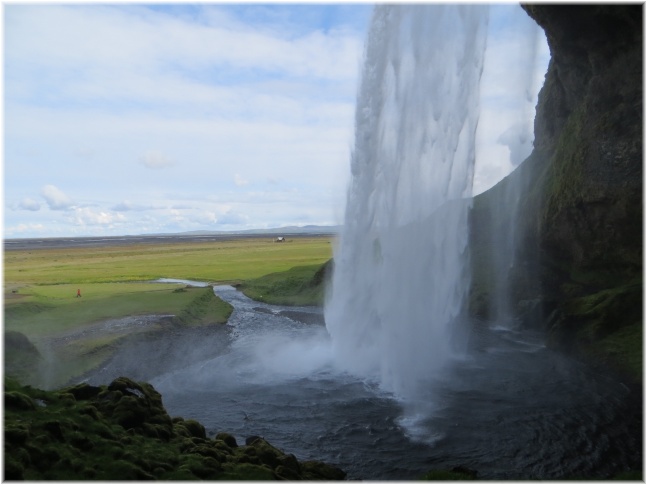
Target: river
[{"x": 509, "y": 408}]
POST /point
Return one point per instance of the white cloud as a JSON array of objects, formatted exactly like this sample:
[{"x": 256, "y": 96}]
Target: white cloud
[
  {"x": 213, "y": 90},
  {"x": 124, "y": 206},
  {"x": 155, "y": 160},
  {"x": 86, "y": 216},
  {"x": 240, "y": 181},
  {"x": 127, "y": 205},
  {"x": 56, "y": 199},
  {"x": 109, "y": 53},
  {"x": 515, "y": 64},
  {"x": 29, "y": 204},
  {"x": 114, "y": 82},
  {"x": 232, "y": 218},
  {"x": 20, "y": 229},
  {"x": 518, "y": 138}
]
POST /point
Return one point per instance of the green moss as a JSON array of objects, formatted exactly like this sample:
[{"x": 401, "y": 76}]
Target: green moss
[
  {"x": 122, "y": 432},
  {"x": 316, "y": 470},
  {"x": 634, "y": 475},
  {"x": 623, "y": 349},
  {"x": 565, "y": 179},
  {"x": 191, "y": 428},
  {"x": 607, "y": 310},
  {"x": 605, "y": 327},
  {"x": 18, "y": 400},
  {"x": 247, "y": 471}
]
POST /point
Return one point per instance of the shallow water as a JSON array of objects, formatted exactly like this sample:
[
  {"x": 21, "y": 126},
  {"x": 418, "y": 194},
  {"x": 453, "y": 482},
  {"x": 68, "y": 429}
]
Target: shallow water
[{"x": 509, "y": 408}]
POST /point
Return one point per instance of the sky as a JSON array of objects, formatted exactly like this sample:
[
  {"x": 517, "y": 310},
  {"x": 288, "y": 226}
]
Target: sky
[{"x": 144, "y": 118}]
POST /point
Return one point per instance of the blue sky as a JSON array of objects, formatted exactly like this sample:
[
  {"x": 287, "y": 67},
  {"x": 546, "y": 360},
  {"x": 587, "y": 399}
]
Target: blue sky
[{"x": 132, "y": 119}]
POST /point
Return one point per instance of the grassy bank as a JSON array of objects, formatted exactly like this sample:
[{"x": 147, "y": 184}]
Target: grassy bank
[
  {"x": 302, "y": 285},
  {"x": 40, "y": 299},
  {"x": 72, "y": 335},
  {"x": 41, "y": 311}
]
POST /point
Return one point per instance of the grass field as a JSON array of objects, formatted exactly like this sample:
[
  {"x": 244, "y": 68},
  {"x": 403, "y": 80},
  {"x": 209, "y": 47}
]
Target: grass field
[
  {"x": 225, "y": 261},
  {"x": 115, "y": 281}
]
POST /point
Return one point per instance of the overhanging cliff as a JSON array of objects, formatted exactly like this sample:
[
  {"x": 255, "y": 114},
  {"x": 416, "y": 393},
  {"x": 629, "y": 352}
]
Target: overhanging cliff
[{"x": 578, "y": 223}]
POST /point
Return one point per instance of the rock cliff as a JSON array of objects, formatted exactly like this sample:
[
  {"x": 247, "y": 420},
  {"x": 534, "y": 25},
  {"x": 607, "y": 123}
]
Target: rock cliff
[{"x": 578, "y": 215}]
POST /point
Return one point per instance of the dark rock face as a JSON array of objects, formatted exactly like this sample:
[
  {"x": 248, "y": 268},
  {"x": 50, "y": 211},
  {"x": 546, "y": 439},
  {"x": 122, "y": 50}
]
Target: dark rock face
[
  {"x": 588, "y": 44},
  {"x": 590, "y": 118},
  {"x": 579, "y": 222}
]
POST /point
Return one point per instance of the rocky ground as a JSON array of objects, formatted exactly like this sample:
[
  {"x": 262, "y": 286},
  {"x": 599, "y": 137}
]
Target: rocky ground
[{"x": 121, "y": 431}]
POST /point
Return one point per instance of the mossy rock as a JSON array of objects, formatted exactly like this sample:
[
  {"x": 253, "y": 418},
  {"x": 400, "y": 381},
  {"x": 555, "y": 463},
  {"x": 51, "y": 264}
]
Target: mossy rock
[
  {"x": 123, "y": 470},
  {"x": 122, "y": 432},
  {"x": 83, "y": 391},
  {"x": 228, "y": 439},
  {"x": 16, "y": 433},
  {"x": 285, "y": 473},
  {"x": 203, "y": 467},
  {"x": 290, "y": 462},
  {"x": 13, "y": 469},
  {"x": 247, "y": 471},
  {"x": 19, "y": 401},
  {"x": 316, "y": 470},
  {"x": 193, "y": 428},
  {"x": 133, "y": 405},
  {"x": 266, "y": 453},
  {"x": 161, "y": 432}
]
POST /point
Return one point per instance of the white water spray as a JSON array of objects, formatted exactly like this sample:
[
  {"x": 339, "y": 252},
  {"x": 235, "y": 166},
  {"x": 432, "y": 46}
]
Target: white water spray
[{"x": 401, "y": 269}]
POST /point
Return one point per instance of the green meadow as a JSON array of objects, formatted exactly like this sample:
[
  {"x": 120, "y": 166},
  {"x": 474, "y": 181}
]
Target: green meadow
[
  {"x": 41, "y": 303},
  {"x": 226, "y": 261}
]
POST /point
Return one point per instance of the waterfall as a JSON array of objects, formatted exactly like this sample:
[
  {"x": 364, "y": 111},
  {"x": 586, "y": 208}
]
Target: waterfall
[{"x": 402, "y": 263}]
